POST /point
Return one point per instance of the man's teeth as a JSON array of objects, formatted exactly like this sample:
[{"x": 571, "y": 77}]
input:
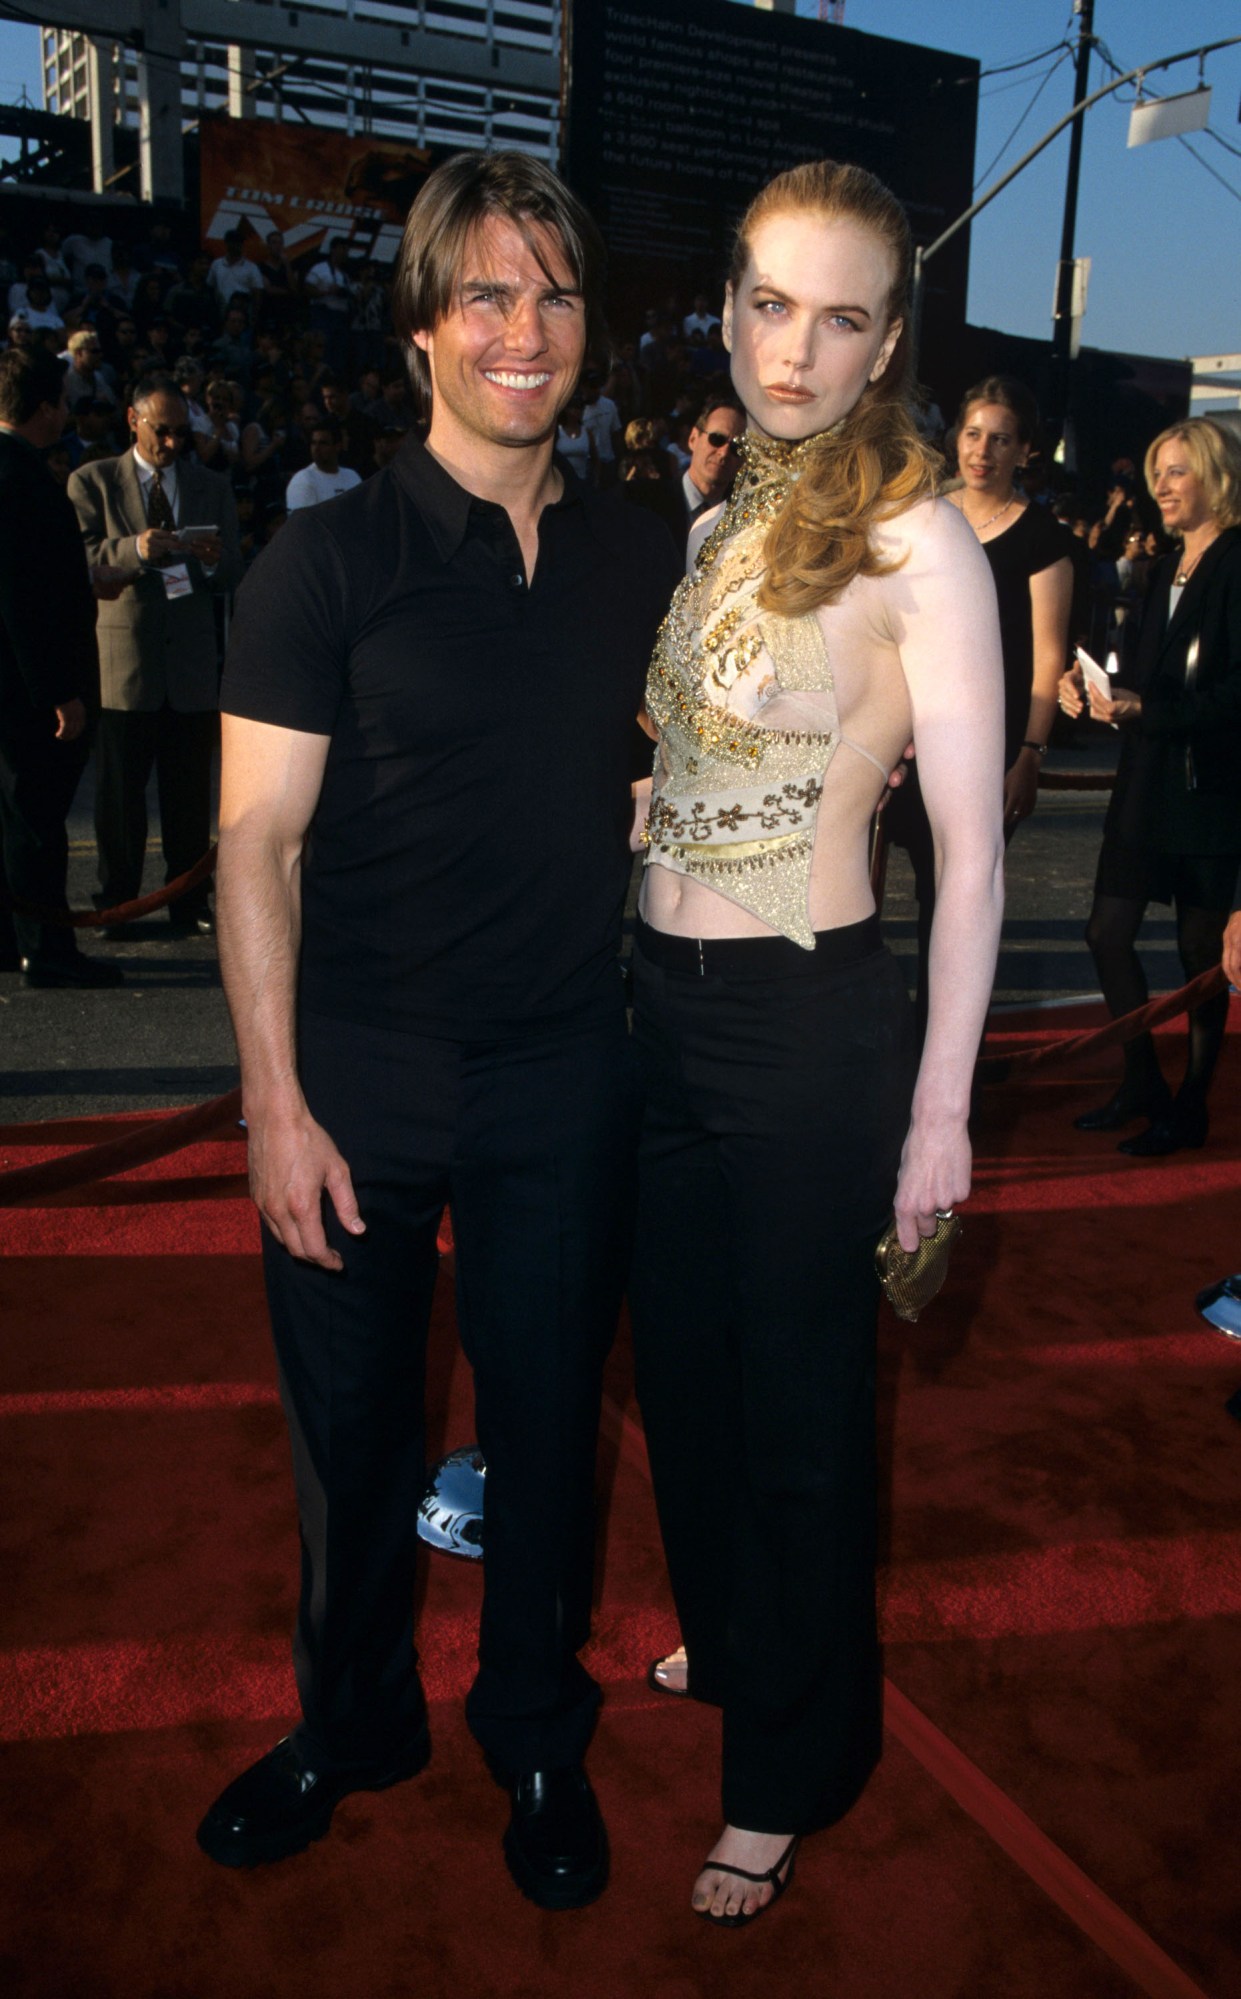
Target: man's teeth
[{"x": 508, "y": 380}]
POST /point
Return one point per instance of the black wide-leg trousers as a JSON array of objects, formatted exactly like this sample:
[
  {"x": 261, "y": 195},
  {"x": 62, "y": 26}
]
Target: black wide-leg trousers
[
  {"x": 179, "y": 747},
  {"x": 778, "y": 1086},
  {"x": 531, "y": 1140},
  {"x": 38, "y": 779}
]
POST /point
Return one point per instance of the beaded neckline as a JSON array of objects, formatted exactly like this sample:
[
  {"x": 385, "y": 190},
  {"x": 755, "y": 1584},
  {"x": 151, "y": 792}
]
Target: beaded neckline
[{"x": 770, "y": 468}]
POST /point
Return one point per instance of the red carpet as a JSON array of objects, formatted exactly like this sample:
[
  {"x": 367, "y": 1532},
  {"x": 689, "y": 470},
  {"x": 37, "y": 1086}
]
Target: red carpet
[{"x": 1061, "y": 1604}]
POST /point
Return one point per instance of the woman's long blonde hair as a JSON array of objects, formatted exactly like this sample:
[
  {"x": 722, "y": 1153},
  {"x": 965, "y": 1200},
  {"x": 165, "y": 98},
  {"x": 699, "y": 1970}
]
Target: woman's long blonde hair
[{"x": 876, "y": 465}]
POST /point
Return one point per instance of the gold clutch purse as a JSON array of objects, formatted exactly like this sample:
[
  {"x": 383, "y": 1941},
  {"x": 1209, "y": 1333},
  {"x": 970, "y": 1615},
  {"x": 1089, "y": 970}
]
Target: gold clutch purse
[{"x": 911, "y": 1277}]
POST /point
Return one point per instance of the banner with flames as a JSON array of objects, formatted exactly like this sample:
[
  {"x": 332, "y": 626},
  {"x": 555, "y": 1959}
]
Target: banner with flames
[{"x": 313, "y": 186}]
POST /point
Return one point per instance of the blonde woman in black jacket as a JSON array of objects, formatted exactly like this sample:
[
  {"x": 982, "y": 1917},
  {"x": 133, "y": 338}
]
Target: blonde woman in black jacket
[{"x": 1173, "y": 828}]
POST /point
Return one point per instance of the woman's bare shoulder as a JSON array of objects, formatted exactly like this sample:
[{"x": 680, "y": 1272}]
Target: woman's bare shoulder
[{"x": 929, "y": 533}]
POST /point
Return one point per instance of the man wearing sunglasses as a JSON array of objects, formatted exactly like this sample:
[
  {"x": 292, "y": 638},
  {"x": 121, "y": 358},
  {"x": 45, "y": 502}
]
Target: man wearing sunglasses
[
  {"x": 713, "y": 459},
  {"x": 158, "y": 652}
]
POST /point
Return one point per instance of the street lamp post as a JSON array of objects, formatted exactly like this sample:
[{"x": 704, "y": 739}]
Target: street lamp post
[{"x": 1062, "y": 323}]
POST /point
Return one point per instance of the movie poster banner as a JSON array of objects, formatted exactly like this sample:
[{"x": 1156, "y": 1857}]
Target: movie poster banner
[
  {"x": 313, "y": 186},
  {"x": 678, "y": 115}
]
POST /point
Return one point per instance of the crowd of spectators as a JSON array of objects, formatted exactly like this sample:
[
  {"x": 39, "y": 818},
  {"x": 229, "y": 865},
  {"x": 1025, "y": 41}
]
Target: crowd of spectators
[
  {"x": 296, "y": 388},
  {"x": 293, "y": 386}
]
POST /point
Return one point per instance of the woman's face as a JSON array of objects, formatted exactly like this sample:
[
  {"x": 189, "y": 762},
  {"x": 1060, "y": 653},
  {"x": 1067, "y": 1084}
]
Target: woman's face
[
  {"x": 989, "y": 451},
  {"x": 1179, "y": 493},
  {"x": 807, "y": 327}
]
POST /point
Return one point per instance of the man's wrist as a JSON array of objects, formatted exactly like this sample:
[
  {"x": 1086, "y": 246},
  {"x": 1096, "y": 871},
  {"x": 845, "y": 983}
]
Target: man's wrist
[{"x": 1039, "y": 749}]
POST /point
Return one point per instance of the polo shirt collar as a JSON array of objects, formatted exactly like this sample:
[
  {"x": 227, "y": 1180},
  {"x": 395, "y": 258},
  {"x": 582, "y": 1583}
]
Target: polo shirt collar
[{"x": 445, "y": 506}]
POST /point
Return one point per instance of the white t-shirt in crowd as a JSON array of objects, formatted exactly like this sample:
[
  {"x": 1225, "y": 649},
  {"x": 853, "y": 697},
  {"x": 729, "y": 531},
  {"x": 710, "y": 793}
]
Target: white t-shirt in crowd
[
  {"x": 699, "y": 322},
  {"x": 78, "y": 251},
  {"x": 225, "y": 278},
  {"x": 310, "y": 486},
  {"x": 601, "y": 418},
  {"x": 329, "y": 286}
]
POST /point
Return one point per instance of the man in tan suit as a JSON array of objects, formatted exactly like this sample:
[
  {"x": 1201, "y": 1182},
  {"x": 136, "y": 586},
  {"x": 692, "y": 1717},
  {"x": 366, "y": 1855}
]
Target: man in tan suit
[{"x": 158, "y": 652}]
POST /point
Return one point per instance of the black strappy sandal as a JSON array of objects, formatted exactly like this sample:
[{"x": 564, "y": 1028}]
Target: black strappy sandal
[{"x": 772, "y": 1874}]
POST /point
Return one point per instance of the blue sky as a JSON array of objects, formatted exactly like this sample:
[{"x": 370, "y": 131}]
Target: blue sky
[{"x": 1163, "y": 233}]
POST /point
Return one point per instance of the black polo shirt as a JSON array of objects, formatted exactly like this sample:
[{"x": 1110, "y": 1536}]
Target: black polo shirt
[{"x": 466, "y": 866}]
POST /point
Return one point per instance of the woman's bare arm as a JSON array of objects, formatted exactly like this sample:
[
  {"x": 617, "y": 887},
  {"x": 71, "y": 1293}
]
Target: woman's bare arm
[
  {"x": 1051, "y": 598},
  {"x": 944, "y": 616}
]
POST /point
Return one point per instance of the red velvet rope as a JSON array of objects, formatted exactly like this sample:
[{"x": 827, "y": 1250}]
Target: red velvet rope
[
  {"x": 138, "y": 1146},
  {"x": 122, "y": 912},
  {"x": 998, "y": 1068},
  {"x": 144, "y": 1143}
]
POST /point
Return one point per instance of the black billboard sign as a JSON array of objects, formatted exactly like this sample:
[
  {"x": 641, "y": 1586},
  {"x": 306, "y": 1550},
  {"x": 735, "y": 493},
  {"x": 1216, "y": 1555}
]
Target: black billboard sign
[{"x": 679, "y": 110}]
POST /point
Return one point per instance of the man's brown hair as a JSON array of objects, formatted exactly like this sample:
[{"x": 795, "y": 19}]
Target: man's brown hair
[
  {"x": 27, "y": 381},
  {"x": 451, "y": 205}
]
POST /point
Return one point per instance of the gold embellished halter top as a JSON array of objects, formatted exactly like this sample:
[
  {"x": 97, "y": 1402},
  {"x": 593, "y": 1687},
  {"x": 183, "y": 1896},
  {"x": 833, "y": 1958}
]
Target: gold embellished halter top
[{"x": 745, "y": 706}]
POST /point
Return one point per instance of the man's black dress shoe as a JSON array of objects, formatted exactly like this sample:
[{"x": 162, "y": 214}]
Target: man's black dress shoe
[
  {"x": 1179, "y": 1131},
  {"x": 280, "y": 1804},
  {"x": 1122, "y": 1108},
  {"x": 78, "y": 971},
  {"x": 556, "y": 1845},
  {"x": 191, "y": 923}
]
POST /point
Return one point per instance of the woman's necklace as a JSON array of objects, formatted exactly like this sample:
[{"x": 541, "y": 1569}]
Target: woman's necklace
[
  {"x": 1186, "y": 569},
  {"x": 981, "y": 527}
]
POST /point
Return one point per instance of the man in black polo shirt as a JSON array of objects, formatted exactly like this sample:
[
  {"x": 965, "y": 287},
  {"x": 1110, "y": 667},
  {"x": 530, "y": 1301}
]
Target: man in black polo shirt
[{"x": 428, "y": 729}]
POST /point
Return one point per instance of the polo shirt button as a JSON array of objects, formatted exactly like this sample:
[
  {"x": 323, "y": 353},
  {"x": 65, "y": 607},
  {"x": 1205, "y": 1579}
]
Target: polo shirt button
[{"x": 518, "y": 582}]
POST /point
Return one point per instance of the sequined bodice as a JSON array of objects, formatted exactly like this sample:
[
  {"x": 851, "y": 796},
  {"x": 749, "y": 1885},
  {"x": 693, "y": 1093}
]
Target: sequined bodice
[{"x": 746, "y": 712}]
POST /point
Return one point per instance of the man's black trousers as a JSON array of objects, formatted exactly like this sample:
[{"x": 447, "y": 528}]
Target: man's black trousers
[
  {"x": 531, "y": 1142},
  {"x": 38, "y": 777},
  {"x": 130, "y": 743}
]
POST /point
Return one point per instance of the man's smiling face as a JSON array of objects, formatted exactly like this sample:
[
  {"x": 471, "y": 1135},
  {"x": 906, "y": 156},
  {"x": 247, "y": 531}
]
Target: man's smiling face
[{"x": 506, "y": 357}]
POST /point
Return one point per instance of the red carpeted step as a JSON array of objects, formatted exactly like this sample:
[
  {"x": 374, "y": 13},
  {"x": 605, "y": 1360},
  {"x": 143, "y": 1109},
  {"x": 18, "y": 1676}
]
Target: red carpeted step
[{"x": 1061, "y": 1596}]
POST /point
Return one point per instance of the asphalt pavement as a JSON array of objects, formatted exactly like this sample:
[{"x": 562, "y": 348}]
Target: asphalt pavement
[{"x": 163, "y": 1038}]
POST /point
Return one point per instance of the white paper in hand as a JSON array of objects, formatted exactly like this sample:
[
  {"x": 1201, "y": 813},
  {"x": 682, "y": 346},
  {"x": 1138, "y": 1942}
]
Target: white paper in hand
[{"x": 1095, "y": 677}]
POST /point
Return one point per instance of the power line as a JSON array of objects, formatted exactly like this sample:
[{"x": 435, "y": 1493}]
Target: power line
[
  {"x": 991, "y": 166},
  {"x": 1025, "y": 62},
  {"x": 1208, "y": 168}
]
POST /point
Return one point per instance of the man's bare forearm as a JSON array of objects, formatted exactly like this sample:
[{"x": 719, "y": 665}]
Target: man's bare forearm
[{"x": 258, "y": 908}]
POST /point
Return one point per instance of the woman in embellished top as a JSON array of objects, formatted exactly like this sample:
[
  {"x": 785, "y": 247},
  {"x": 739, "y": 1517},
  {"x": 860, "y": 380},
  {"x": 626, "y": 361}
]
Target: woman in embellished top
[{"x": 832, "y": 610}]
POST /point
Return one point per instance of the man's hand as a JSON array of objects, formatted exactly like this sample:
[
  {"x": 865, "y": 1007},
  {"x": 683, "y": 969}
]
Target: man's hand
[
  {"x": 292, "y": 1162},
  {"x": 208, "y": 550},
  {"x": 1232, "y": 949},
  {"x": 1021, "y": 787},
  {"x": 70, "y": 721},
  {"x": 157, "y": 545},
  {"x": 107, "y": 581},
  {"x": 1124, "y": 705}
]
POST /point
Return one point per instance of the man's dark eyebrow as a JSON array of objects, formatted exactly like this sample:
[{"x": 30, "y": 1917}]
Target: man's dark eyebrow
[{"x": 550, "y": 290}]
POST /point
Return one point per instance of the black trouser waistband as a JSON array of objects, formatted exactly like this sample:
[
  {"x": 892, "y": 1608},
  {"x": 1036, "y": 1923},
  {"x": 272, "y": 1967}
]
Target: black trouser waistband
[{"x": 758, "y": 957}]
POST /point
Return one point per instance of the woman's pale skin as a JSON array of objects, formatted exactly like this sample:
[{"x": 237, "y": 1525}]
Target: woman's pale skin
[
  {"x": 1182, "y": 500},
  {"x": 915, "y": 653},
  {"x": 990, "y": 453}
]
